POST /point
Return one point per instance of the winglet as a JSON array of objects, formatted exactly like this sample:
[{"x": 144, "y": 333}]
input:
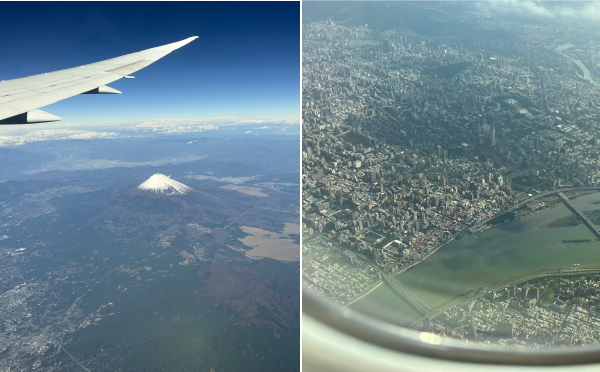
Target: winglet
[
  {"x": 31, "y": 117},
  {"x": 157, "y": 53},
  {"x": 179, "y": 44},
  {"x": 105, "y": 89}
]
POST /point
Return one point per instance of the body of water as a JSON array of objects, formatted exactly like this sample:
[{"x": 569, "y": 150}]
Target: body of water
[
  {"x": 509, "y": 250},
  {"x": 586, "y": 73}
]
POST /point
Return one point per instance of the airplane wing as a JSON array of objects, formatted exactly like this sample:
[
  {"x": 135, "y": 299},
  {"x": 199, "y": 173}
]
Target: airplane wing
[{"x": 20, "y": 98}]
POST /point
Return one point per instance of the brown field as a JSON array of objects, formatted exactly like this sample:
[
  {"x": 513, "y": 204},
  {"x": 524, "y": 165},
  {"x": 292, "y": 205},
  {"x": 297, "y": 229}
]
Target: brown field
[{"x": 278, "y": 246}]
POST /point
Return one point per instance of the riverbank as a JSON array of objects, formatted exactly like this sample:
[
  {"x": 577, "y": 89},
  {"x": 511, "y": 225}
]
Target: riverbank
[
  {"x": 365, "y": 294},
  {"x": 484, "y": 226},
  {"x": 593, "y": 215},
  {"x": 586, "y": 72},
  {"x": 520, "y": 279},
  {"x": 494, "y": 257},
  {"x": 429, "y": 254}
]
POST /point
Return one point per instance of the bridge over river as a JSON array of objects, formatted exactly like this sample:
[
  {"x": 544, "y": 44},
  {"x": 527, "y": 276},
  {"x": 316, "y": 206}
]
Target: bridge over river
[
  {"x": 426, "y": 312},
  {"x": 581, "y": 215},
  {"x": 479, "y": 225},
  {"x": 409, "y": 296}
]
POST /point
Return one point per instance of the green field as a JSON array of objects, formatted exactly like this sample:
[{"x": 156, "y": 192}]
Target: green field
[
  {"x": 372, "y": 237},
  {"x": 567, "y": 221},
  {"x": 573, "y": 220},
  {"x": 450, "y": 70},
  {"x": 356, "y": 139},
  {"x": 549, "y": 295},
  {"x": 594, "y": 216}
]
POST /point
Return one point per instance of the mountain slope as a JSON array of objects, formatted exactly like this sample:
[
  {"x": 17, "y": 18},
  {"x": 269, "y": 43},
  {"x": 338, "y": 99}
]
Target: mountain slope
[{"x": 164, "y": 185}]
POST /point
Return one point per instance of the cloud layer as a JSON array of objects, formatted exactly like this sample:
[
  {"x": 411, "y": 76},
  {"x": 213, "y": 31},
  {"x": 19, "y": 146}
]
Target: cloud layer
[
  {"x": 234, "y": 180},
  {"x": 22, "y": 134},
  {"x": 52, "y": 134},
  {"x": 178, "y": 126},
  {"x": 73, "y": 163},
  {"x": 546, "y": 10}
]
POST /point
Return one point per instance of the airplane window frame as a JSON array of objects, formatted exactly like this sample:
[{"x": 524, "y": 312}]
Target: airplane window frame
[{"x": 392, "y": 336}]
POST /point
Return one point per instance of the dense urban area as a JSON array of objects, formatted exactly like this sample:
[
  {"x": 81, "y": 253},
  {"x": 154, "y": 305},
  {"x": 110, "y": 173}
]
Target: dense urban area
[
  {"x": 554, "y": 311},
  {"x": 413, "y": 139}
]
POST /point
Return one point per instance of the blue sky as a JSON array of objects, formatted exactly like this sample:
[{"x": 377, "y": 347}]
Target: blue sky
[{"x": 245, "y": 63}]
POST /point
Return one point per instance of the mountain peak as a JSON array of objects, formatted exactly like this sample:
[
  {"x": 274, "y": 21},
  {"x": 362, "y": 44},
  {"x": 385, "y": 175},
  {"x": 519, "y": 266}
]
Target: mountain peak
[{"x": 161, "y": 184}]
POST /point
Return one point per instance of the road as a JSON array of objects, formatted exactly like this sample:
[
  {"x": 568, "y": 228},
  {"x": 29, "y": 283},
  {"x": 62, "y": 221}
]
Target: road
[
  {"x": 581, "y": 215},
  {"x": 409, "y": 296},
  {"x": 480, "y": 224},
  {"x": 418, "y": 323}
]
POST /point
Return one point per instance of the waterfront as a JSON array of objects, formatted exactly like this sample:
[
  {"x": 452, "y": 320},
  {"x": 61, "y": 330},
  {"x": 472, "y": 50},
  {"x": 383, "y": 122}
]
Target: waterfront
[
  {"x": 480, "y": 260},
  {"x": 586, "y": 73}
]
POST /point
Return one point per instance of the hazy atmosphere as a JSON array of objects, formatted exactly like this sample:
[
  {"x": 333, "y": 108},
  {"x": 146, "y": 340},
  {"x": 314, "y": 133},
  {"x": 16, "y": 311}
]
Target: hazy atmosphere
[
  {"x": 158, "y": 229},
  {"x": 451, "y": 169}
]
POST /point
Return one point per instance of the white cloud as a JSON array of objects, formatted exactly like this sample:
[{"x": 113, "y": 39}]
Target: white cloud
[
  {"x": 177, "y": 126},
  {"x": 172, "y": 127},
  {"x": 234, "y": 180},
  {"x": 74, "y": 163},
  {"x": 21, "y": 134},
  {"x": 591, "y": 11},
  {"x": 531, "y": 8},
  {"x": 538, "y": 9},
  {"x": 53, "y": 134},
  {"x": 248, "y": 131}
]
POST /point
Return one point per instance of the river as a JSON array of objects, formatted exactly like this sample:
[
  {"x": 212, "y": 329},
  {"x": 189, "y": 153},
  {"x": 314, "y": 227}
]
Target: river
[
  {"x": 586, "y": 73},
  {"x": 479, "y": 260}
]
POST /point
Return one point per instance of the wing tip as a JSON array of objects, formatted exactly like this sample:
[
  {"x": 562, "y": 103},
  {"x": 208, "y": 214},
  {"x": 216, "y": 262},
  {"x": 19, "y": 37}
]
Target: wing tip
[{"x": 186, "y": 41}]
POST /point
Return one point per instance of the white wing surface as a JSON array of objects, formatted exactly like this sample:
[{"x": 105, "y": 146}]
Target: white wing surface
[{"x": 20, "y": 98}]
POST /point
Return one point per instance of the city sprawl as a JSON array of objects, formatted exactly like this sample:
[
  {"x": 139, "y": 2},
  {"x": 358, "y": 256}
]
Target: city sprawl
[{"x": 414, "y": 139}]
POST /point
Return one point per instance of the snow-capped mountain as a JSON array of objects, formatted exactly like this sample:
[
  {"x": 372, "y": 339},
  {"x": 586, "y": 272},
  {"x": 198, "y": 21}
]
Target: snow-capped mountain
[
  {"x": 163, "y": 185},
  {"x": 164, "y": 193}
]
